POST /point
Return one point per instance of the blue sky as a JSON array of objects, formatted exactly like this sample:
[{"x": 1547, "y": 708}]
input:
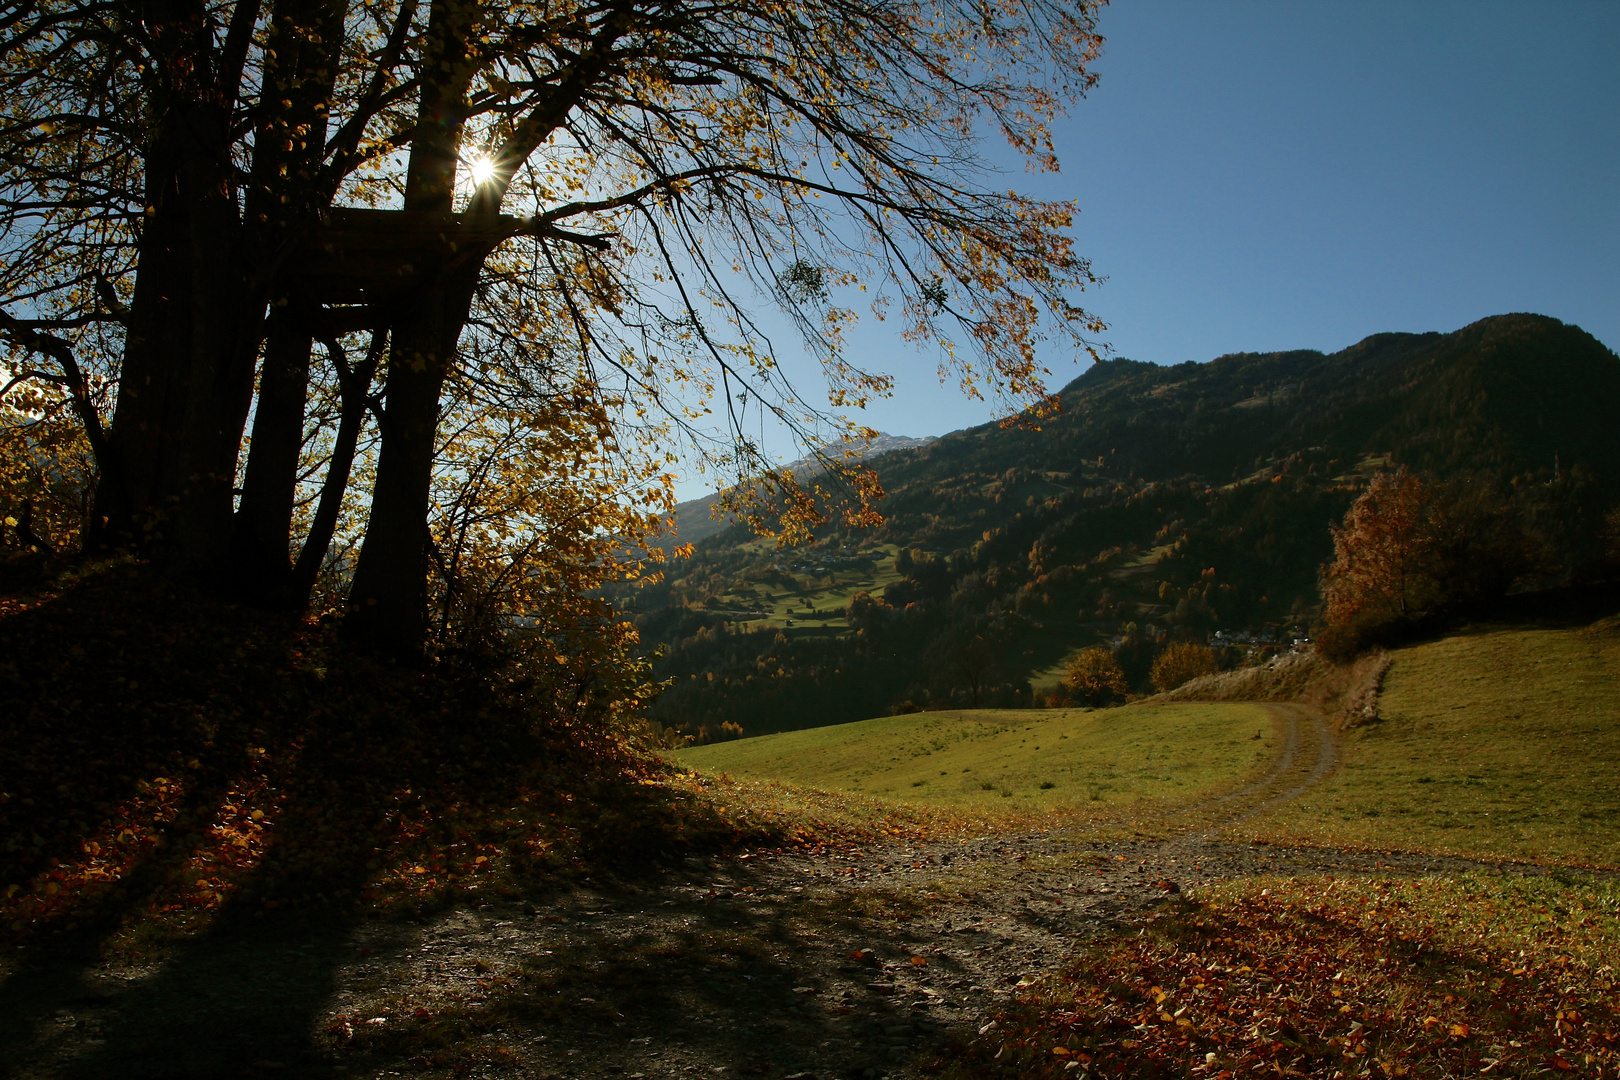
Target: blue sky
[{"x": 1258, "y": 175}]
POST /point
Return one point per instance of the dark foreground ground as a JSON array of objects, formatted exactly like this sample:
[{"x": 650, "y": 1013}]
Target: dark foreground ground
[{"x": 875, "y": 962}]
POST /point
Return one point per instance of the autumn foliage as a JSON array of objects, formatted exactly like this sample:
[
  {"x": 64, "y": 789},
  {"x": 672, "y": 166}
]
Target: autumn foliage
[
  {"x": 1426, "y": 978},
  {"x": 171, "y": 757},
  {"x": 1410, "y": 550},
  {"x": 1386, "y": 554},
  {"x": 1181, "y": 662},
  {"x": 1094, "y": 677},
  {"x": 480, "y": 274}
]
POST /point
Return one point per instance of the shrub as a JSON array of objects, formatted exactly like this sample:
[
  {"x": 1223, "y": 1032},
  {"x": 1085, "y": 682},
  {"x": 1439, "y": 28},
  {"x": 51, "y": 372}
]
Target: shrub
[
  {"x": 1181, "y": 662},
  {"x": 1094, "y": 677},
  {"x": 1611, "y": 537}
]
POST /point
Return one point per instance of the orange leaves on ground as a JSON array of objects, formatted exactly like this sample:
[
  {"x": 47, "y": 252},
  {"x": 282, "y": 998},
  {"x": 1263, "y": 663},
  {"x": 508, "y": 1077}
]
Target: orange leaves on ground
[
  {"x": 175, "y": 755},
  {"x": 1309, "y": 981}
]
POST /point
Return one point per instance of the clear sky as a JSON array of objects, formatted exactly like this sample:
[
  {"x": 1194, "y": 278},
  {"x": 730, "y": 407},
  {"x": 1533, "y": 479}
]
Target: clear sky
[{"x": 1272, "y": 174}]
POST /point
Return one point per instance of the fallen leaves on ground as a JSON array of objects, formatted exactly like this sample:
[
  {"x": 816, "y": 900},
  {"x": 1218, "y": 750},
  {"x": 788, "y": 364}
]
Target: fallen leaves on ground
[
  {"x": 169, "y": 754},
  {"x": 1428, "y": 977}
]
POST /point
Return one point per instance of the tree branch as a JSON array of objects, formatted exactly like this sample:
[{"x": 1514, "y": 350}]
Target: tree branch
[{"x": 78, "y": 389}]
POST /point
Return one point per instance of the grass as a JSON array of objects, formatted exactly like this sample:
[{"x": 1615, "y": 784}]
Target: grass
[
  {"x": 1321, "y": 977},
  {"x": 787, "y": 606},
  {"x": 1014, "y": 760},
  {"x": 1050, "y": 678},
  {"x": 1143, "y": 562},
  {"x": 1497, "y": 744}
]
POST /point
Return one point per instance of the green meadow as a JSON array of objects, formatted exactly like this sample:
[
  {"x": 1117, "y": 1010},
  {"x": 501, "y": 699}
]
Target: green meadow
[
  {"x": 1499, "y": 744},
  {"x": 809, "y": 601},
  {"x": 1017, "y": 760}
]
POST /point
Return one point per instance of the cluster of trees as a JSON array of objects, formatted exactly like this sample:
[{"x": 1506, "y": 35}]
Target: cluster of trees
[
  {"x": 965, "y": 627},
  {"x": 417, "y": 296},
  {"x": 1412, "y": 550},
  {"x": 1095, "y": 676},
  {"x": 894, "y": 658}
]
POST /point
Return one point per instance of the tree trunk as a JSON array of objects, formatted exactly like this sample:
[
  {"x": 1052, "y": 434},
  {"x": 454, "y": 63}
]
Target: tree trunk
[
  {"x": 388, "y": 599},
  {"x": 187, "y": 378},
  {"x": 356, "y": 398},
  {"x": 283, "y": 204},
  {"x": 260, "y": 554}
]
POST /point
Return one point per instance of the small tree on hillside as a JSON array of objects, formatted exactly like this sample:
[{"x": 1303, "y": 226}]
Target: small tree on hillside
[
  {"x": 1181, "y": 662},
  {"x": 969, "y": 661},
  {"x": 1094, "y": 677}
]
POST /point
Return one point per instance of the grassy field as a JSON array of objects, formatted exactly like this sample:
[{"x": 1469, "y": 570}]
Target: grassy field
[
  {"x": 787, "y": 607},
  {"x": 1019, "y": 760},
  {"x": 1049, "y": 679},
  {"x": 1503, "y": 743}
]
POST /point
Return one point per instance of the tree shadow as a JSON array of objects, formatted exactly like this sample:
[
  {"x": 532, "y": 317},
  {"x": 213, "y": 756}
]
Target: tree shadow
[
  {"x": 168, "y": 714},
  {"x": 755, "y": 984}
]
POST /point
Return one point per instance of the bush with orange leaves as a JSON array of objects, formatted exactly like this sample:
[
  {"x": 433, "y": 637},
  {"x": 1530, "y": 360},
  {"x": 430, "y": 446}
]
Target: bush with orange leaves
[
  {"x": 1094, "y": 677},
  {"x": 1180, "y": 663}
]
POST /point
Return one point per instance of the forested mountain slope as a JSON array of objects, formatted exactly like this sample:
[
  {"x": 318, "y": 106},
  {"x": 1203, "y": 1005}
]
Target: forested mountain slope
[{"x": 1160, "y": 503}]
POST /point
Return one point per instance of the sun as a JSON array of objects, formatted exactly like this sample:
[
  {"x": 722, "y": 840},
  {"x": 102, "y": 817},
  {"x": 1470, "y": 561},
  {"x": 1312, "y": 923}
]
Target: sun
[{"x": 481, "y": 169}]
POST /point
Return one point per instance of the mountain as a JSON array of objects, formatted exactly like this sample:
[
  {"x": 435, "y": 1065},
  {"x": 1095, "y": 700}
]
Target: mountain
[
  {"x": 1159, "y": 502},
  {"x": 695, "y": 519}
]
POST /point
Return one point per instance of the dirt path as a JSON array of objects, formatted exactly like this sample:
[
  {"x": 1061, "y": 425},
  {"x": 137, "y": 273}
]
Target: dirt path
[{"x": 857, "y": 964}]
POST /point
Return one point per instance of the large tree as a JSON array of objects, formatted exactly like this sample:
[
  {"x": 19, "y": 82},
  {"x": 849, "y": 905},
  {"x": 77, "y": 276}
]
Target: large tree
[{"x": 560, "y": 214}]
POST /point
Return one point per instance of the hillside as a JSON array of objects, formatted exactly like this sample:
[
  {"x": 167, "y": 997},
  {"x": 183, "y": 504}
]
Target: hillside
[
  {"x": 695, "y": 519},
  {"x": 1160, "y": 502},
  {"x": 1498, "y": 743}
]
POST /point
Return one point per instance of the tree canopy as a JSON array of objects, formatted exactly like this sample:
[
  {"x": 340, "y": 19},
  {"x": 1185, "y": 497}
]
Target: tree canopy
[
  {"x": 528, "y": 240},
  {"x": 1093, "y": 676}
]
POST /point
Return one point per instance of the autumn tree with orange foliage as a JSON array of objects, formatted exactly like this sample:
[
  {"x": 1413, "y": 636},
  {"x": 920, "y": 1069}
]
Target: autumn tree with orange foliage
[
  {"x": 1385, "y": 555},
  {"x": 1180, "y": 663},
  {"x": 1094, "y": 677},
  {"x": 474, "y": 270},
  {"x": 1409, "y": 550}
]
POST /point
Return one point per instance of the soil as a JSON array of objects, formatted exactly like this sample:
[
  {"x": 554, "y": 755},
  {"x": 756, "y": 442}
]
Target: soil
[{"x": 858, "y": 963}]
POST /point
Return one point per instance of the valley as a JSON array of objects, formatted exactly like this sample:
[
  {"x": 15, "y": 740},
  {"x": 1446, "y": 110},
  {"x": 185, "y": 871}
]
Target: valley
[{"x": 1160, "y": 504}]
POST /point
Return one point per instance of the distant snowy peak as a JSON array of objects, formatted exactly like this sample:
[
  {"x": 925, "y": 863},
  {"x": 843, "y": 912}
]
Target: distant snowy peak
[
  {"x": 695, "y": 522},
  {"x": 883, "y": 444}
]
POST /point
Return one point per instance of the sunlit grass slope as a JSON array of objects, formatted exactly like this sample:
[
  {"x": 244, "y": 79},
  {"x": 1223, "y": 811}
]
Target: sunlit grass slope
[
  {"x": 1014, "y": 759},
  {"x": 1496, "y": 744}
]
